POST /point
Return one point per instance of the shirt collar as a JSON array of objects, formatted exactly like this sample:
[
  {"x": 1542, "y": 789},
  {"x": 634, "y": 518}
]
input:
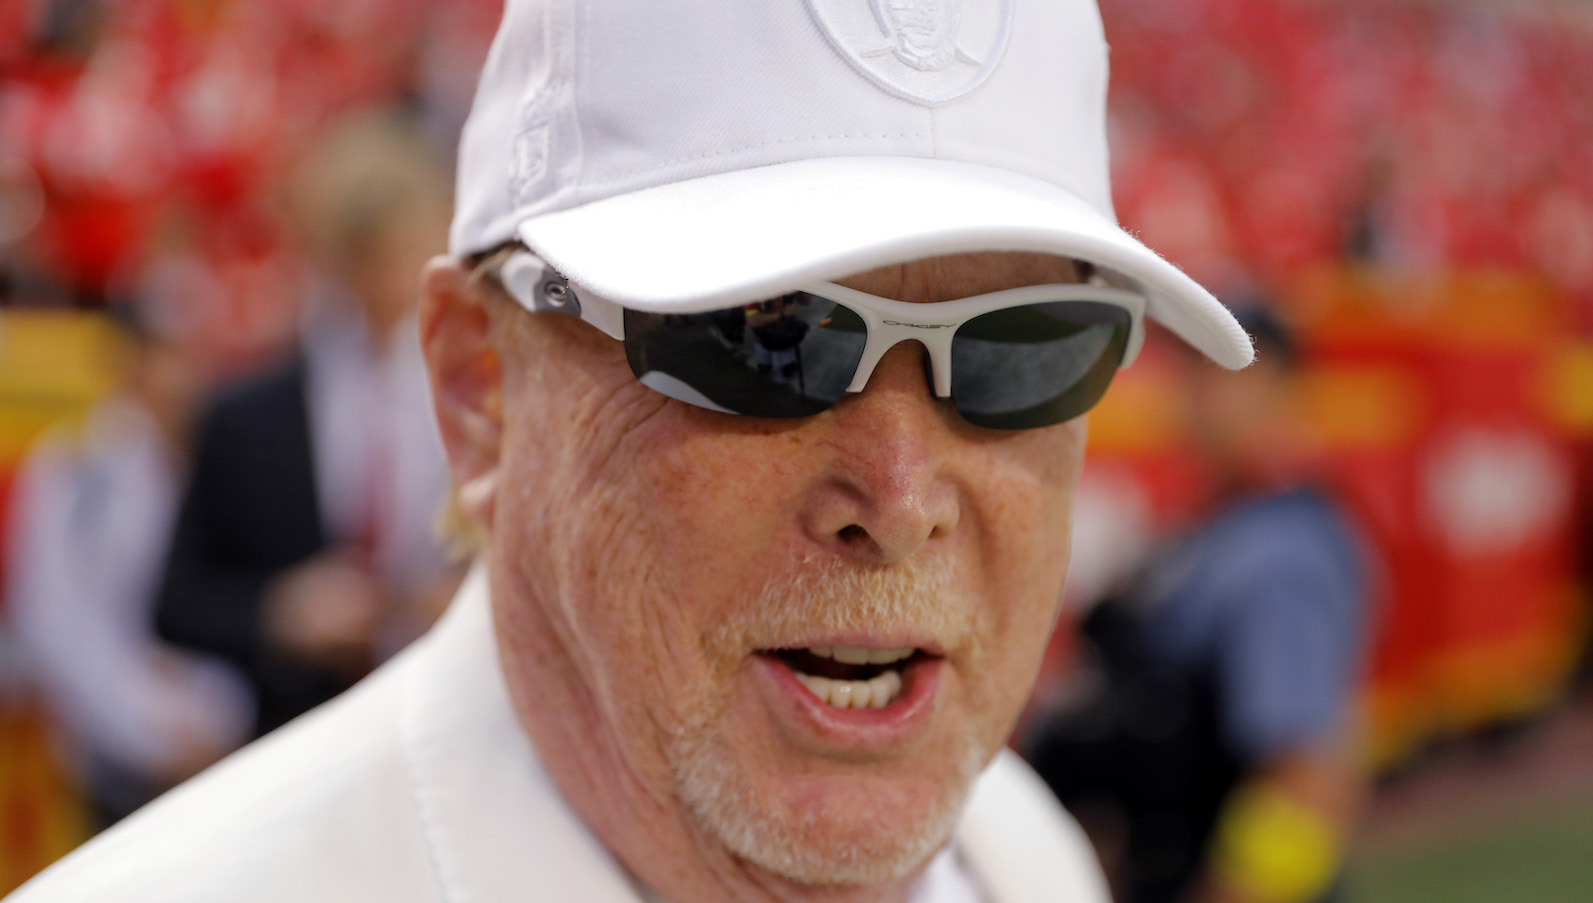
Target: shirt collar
[{"x": 493, "y": 819}]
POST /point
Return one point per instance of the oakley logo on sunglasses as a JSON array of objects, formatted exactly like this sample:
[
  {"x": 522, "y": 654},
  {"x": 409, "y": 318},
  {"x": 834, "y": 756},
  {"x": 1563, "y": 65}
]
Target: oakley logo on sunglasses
[{"x": 917, "y": 325}]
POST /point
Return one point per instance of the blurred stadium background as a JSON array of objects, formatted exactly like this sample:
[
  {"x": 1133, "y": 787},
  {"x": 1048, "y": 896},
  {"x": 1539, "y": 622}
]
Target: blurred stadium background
[{"x": 1410, "y": 183}]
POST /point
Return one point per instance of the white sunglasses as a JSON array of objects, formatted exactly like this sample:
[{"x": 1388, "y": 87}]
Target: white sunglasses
[{"x": 1021, "y": 358}]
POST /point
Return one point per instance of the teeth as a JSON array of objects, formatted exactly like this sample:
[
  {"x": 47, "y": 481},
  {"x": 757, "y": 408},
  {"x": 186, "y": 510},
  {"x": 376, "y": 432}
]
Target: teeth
[
  {"x": 857, "y": 655},
  {"x": 886, "y": 656},
  {"x": 850, "y": 655},
  {"x": 854, "y": 694},
  {"x": 857, "y": 694}
]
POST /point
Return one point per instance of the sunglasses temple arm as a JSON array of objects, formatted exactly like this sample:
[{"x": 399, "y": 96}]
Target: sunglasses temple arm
[{"x": 541, "y": 289}]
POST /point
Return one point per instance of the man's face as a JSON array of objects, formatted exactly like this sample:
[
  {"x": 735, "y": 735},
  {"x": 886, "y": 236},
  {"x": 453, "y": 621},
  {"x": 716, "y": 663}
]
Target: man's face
[{"x": 665, "y": 580}]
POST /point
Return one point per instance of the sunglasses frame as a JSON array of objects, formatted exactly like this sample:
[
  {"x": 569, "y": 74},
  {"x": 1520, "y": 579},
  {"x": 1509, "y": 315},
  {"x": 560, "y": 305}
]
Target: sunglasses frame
[{"x": 541, "y": 289}]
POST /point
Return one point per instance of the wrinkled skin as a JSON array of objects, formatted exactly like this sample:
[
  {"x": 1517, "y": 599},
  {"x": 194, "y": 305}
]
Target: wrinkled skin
[{"x": 642, "y": 551}]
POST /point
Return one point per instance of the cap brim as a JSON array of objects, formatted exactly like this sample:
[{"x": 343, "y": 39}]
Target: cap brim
[{"x": 752, "y": 233}]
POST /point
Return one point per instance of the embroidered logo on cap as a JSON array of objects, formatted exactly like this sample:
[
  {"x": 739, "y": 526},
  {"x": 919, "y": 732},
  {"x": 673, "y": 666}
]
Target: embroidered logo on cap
[{"x": 928, "y": 51}]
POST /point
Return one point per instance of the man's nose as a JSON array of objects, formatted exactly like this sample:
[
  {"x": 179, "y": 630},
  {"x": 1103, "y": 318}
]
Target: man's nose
[{"x": 889, "y": 488}]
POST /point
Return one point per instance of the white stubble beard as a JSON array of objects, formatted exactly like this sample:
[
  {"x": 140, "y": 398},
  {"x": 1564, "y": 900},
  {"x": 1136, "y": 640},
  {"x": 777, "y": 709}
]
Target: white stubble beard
[{"x": 715, "y": 786}]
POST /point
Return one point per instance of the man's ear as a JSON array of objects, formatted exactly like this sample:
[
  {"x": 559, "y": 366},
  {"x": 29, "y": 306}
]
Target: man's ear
[{"x": 466, "y": 382}]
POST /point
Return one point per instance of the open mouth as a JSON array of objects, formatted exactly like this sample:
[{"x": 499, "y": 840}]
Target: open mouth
[{"x": 851, "y": 677}]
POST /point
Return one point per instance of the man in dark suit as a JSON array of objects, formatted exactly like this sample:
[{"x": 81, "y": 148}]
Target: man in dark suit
[{"x": 303, "y": 551}]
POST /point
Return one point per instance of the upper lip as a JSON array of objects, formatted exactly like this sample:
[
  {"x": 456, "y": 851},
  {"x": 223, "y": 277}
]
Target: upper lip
[{"x": 923, "y": 644}]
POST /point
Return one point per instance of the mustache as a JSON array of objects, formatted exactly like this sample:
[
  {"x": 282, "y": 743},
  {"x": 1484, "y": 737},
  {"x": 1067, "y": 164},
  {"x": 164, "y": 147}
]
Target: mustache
[{"x": 922, "y": 596}]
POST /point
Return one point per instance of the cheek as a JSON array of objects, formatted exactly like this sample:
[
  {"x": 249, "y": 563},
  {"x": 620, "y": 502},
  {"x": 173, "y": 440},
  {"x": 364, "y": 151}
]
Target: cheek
[
  {"x": 708, "y": 517},
  {"x": 571, "y": 523},
  {"x": 1024, "y": 538},
  {"x": 1025, "y": 515},
  {"x": 721, "y": 503},
  {"x": 656, "y": 525}
]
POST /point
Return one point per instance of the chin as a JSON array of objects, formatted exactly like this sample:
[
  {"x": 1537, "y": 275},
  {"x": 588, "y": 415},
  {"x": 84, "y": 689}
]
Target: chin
[{"x": 844, "y": 824}]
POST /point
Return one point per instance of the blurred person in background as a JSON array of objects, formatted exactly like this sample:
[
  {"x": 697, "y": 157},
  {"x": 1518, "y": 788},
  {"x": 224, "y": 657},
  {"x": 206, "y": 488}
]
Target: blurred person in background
[
  {"x": 1209, "y": 749},
  {"x": 90, "y": 526},
  {"x": 305, "y": 552}
]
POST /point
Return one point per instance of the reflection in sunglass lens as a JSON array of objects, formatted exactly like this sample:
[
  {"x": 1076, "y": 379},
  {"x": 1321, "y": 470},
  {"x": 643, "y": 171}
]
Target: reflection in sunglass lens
[
  {"x": 1037, "y": 365},
  {"x": 790, "y": 356}
]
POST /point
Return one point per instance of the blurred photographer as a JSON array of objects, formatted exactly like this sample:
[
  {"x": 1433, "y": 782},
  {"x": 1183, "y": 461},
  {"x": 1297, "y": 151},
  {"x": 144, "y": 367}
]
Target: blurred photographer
[{"x": 1210, "y": 756}]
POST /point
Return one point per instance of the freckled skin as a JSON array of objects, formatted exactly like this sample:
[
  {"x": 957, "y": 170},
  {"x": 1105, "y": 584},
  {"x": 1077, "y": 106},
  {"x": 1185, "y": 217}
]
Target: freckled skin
[{"x": 624, "y": 528}]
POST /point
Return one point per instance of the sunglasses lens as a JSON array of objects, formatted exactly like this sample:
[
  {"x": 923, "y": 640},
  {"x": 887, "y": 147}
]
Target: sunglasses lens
[
  {"x": 1037, "y": 365},
  {"x": 791, "y": 356}
]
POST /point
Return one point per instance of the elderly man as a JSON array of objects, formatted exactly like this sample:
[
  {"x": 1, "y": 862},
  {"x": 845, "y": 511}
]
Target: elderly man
[{"x": 738, "y": 632}]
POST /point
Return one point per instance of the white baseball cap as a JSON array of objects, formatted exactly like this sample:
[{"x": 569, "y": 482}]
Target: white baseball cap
[{"x": 687, "y": 156}]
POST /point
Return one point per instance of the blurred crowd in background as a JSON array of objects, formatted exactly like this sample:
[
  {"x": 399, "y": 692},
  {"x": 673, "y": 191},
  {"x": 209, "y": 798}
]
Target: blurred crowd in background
[{"x": 217, "y": 474}]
